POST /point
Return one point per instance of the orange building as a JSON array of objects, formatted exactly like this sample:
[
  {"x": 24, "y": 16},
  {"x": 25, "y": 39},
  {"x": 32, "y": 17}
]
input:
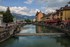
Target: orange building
[{"x": 39, "y": 16}]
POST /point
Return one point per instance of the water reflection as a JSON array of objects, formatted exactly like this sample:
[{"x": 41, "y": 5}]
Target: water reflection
[
  {"x": 37, "y": 41},
  {"x": 8, "y": 43},
  {"x": 44, "y": 29},
  {"x": 38, "y": 29},
  {"x": 28, "y": 29},
  {"x": 64, "y": 41}
]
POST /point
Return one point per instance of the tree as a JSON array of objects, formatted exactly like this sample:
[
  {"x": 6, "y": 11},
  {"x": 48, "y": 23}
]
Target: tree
[
  {"x": 7, "y": 16},
  {"x": 1, "y": 12},
  {"x": 27, "y": 20}
]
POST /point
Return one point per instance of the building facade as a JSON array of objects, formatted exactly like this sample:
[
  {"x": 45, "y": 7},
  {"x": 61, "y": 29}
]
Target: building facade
[
  {"x": 64, "y": 13},
  {"x": 61, "y": 14},
  {"x": 39, "y": 16},
  {"x": 1, "y": 18}
]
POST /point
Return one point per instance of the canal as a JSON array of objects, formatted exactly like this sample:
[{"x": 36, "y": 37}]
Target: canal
[{"x": 37, "y": 41}]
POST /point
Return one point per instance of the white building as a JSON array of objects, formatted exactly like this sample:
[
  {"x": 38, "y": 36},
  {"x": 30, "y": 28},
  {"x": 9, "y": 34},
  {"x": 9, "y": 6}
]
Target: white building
[
  {"x": 14, "y": 19},
  {"x": 1, "y": 17}
]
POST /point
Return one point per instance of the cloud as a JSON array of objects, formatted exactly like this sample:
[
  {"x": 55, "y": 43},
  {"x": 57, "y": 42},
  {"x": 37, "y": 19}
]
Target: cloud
[
  {"x": 20, "y": 10},
  {"x": 3, "y": 8},
  {"x": 41, "y": 1},
  {"x": 50, "y": 10},
  {"x": 23, "y": 10},
  {"x": 57, "y": 3},
  {"x": 52, "y": 3},
  {"x": 33, "y": 11},
  {"x": 50, "y": 6},
  {"x": 28, "y": 1}
]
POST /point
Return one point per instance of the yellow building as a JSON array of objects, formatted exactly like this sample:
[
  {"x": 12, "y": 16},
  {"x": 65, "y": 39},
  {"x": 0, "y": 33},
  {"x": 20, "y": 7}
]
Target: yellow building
[{"x": 64, "y": 13}]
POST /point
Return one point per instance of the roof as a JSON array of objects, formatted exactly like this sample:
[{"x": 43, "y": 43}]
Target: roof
[
  {"x": 65, "y": 8},
  {"x": 38, "y": 13}
]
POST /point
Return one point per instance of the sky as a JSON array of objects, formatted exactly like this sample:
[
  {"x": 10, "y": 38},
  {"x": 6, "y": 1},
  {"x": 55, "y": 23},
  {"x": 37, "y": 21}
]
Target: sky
[{"x": 30, "y": 7}]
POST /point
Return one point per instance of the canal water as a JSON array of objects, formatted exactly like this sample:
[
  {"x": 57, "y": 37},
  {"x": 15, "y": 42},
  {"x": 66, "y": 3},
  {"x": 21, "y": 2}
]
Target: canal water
[{"x": 37, "y": 41}]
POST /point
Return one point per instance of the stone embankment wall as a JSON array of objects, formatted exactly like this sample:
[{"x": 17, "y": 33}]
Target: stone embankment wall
[
  {"x": 8, "y": 32},
  {"x": 4, "y": 35}
]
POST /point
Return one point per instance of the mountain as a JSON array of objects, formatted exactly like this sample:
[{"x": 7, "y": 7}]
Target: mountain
[{"x": 19, "y": 16}]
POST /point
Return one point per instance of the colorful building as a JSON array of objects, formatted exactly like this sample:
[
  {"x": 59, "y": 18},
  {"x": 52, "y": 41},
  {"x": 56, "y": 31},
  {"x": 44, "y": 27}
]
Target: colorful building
[
  {"x": 39, "y": 16},
  {"x": 1, "y": 18},
  {"x": 64, "y": 13}
]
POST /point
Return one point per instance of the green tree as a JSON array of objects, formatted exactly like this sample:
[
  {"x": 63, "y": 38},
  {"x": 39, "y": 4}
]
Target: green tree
[
  {"x": 27, "y": 20},
  {"x": 7, "y": 16},
  {"x": 1, "y": 12}
]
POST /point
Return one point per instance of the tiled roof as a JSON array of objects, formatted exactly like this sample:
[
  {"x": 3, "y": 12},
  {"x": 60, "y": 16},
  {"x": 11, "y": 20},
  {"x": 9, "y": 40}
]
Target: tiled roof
[{"x": 65, "y": 8}]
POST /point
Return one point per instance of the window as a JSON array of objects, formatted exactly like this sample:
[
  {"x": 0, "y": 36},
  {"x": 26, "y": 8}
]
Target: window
[{"x": 61, "y": 14}]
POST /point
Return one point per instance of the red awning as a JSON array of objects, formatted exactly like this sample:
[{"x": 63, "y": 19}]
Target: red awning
[
  {"x": 51, "y": 21},
  {"x": 66, "y": 21}
]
